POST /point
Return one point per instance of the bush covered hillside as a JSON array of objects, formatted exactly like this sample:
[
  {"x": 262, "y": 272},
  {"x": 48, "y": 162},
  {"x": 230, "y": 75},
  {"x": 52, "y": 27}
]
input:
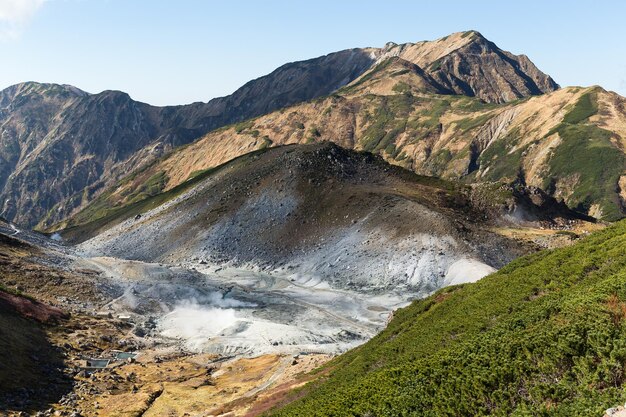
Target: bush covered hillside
[{"x": 545, "y": 335}]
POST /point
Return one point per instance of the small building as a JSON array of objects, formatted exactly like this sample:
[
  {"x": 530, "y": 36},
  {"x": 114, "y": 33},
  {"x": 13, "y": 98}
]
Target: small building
[{"x": 94, "y": 364}]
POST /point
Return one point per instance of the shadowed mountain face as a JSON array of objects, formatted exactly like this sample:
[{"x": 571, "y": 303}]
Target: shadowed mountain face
[
  {"x": 31, "y": 370},
  {"x": 60, "y": 147}
]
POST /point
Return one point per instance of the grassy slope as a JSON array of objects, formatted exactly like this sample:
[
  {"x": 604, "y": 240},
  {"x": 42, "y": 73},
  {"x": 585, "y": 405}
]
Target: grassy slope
[
  {"x": 546, "y": 335},
  {"x": 587, "y": 151}
]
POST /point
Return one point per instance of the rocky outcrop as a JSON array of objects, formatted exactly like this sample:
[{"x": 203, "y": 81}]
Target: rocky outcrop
[{"x": 483, "y": 70}]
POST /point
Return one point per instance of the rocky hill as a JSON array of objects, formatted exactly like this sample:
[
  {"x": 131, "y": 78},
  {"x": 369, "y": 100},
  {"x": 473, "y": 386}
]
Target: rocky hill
[
  {"x": 61, "y": 147},
  {"x": 320, "y": 212}
]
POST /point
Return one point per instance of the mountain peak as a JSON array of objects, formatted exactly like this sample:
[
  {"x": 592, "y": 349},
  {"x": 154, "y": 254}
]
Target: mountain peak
[
  {"x": 472, "y": 34},
  {"x": 457, "y": 62},
  {"x": 34, "y": 89},
  {"x": 37, "y": 87}
]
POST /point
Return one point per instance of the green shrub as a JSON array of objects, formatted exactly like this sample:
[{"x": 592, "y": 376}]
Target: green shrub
[
  {"x": 544, "y": 336},
  {"x": 240, "y": 127}
]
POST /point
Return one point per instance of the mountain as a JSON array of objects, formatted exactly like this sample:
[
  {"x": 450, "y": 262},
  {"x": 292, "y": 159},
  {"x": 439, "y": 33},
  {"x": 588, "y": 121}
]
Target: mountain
[
  {"x": 543, "y": 336},
  {"x": 212, "y": 256},
  {"x": 321, "y": 212},
  {"x": 568, "y": 142},
  {"x": 466, "y": 63},
  {"x": 61, "y": 147},
  {"x": 300, "y": 248}
]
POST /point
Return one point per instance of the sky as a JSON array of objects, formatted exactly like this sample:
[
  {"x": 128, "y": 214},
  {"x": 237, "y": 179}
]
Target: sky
[{"x": 180, "y": 51}]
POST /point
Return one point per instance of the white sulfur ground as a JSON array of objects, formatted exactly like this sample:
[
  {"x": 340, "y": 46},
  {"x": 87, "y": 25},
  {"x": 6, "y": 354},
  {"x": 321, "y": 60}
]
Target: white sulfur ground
[{"x": 235, "y": 311}]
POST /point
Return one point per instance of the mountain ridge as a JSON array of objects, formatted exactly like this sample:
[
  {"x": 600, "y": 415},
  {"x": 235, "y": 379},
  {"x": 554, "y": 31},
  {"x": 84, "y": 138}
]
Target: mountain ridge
[
  {"x": 388, "y": 111},
  {"x": 75, "y": 162}
]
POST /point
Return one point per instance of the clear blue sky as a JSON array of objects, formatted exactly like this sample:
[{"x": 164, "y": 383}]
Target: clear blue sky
[{"x": 180, "y": 51}]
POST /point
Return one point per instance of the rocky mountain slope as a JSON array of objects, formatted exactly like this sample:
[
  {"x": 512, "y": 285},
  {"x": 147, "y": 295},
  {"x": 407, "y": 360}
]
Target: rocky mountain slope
[
  {"x": 543, "y": 336},
  {"x": 568, "y": 142},
  {"x": 61, "y": 147},
  {"x": 466, "y": 63},
  {"x": 320, "y": 212}
]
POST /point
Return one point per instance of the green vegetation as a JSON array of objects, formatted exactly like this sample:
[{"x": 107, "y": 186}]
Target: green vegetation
[
  {"x": 438, "y": 162},
  {"x": 568, "y": 233},
  {"x": 544, "y": 336},
  {"x": 16, "y": 292},
  {"x": 387, "y": 122},
  {"x": 470, "y": 123},
  {"x": 401, "y": 87},
  {"x": 267, "y": 142},
  {"x": 503, "y": 164},
  {"x": 491, "y": 193},
  {"x": 241, "y": 127},
  {"x": 586, "y": 107},
  {"x": 435, "y": 65},
  {"x": 468, "y": 33},
  {"x": 400, "y": 72},
  {"x": 196, "y": 173},
  {"x": 314, "y": 131},
  {"x": 400, "y": 157},
  {"x": 587, "y": 156},
  {"x": 103, "y": 205},
  {"x": 431, "y": 116},
  {"x": 391, "y": 150},
  {"x": 473, "y": 104}
]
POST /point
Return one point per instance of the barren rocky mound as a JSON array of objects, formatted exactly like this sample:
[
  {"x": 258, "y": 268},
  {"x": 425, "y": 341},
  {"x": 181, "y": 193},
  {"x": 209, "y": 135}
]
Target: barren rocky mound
[{"x": 318, "y": 212}]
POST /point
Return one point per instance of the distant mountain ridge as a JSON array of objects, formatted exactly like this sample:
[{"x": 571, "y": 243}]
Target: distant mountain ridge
[{"x": 60, "y": 147}]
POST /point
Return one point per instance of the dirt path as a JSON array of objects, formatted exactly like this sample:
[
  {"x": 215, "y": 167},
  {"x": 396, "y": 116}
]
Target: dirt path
[{"x": 284, "y": 363}]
